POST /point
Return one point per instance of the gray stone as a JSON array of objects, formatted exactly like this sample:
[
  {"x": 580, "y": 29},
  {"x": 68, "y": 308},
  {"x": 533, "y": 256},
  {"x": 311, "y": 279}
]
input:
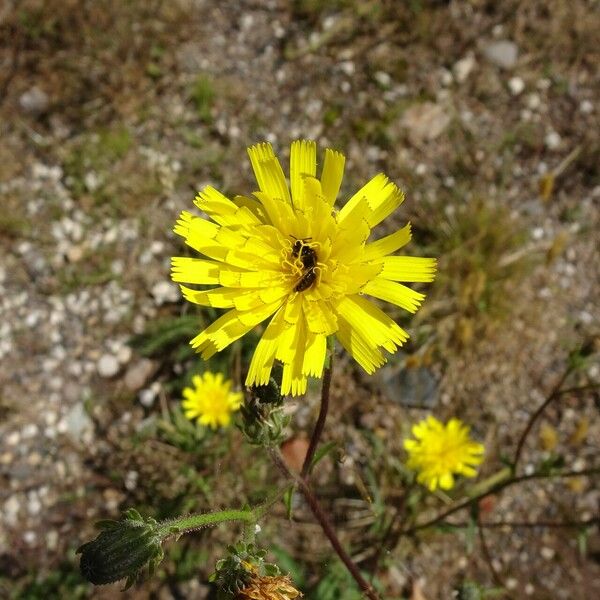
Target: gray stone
[
  {"x": 34, "y": 101},
  {"x": 411, "y": 387},
  {"x": 503, "y": 53},
  {"x": 425, "y": 122},
  {"x": 77, "y": 422},
  {"x": 138, "y": 374}
]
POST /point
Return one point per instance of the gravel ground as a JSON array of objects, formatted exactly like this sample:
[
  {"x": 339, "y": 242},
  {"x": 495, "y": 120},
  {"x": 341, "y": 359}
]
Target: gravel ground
[{"x": 456, "y": 101}]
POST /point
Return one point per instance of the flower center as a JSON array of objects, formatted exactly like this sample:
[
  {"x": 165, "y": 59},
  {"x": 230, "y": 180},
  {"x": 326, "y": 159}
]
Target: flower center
[{"x": 302, "y": 263}]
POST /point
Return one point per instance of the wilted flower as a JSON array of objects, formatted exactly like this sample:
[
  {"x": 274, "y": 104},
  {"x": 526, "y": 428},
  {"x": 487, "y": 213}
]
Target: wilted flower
[
  {"x": 211, "y": 400},
  {"x": 278, "y": 587},
  {"x": 442, "y": 451},
  {"x": 291, "y": 256}
]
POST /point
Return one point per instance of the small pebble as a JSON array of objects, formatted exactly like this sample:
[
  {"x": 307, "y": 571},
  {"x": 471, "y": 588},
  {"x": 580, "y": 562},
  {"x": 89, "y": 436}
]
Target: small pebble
[
  {"x": 547, "y": 553},
  {"x": 108, "y": 366},
  {"x": 552, "y": 140},
  {"x": 516, "y": 85}
]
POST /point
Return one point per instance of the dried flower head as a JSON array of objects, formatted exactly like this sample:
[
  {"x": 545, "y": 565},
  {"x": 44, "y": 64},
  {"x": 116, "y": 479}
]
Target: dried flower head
[
  {"x": 277, "y": 587},
  {"x": 442, "y": 451},
  {"x": 211, "y": 400},
  {"x": 287, "y": 254}
]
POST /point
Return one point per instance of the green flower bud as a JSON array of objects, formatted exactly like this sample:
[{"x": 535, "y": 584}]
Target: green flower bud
[
  {"x": 122, "y": 549},
  {"x": 235, "y": 572},
  {"x": 263, "y": 419}
]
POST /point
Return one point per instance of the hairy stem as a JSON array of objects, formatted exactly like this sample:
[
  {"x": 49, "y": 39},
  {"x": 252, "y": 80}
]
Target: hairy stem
[
  {"x": 192, "y": 522},
  {"x": 320, "y": 424},
  {"x": 325, "y": 524}
]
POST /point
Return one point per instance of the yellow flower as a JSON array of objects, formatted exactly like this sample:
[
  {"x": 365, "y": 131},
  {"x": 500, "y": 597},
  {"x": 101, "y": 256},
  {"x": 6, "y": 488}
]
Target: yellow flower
[
  {"x": 441, "y": 451},
  {"x": 292, "y": 256},
  {"x": 277, "y": 587},
  {"x": 211, "y": 400}
]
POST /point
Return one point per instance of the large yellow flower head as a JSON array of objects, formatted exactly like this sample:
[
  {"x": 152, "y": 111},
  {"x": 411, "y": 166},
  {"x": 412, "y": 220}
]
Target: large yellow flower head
[
  {"x": 442, "y": 451},
  {"x": 290, "y": 255},
  {"x": 211, "y": 400}
]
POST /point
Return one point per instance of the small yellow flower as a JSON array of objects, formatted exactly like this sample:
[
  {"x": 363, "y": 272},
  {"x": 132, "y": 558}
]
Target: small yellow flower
[
  {"x": 288, "y": 255},
  {"x": 269, "y": 588},
  {"x": 442, "y": 451},
  {"x": 211, "y": 400}
]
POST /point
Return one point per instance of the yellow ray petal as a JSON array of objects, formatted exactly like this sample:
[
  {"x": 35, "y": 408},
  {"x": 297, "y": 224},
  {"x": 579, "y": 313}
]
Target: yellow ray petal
[
  {"x": 396, "y": 293},
  {"x": 280, "y": 212},
  {"x": 217, "y": 298},
  {"x": 194, "y": 270},
  {"x": 261, "y": 364},
  {"x": 382, "y": 198},
  {"x": 222, "y": 210},
  {"x": 320, "y": 317},
  {"x": 388, "y": 244},
  {"x": 268, "y": 171},
  {"x": 384, "y": 205},
  {"x": 374, "y": 187},
  {"x": 368, "y": 356},
  {"x": 314, "y": 354},
  {"x": 332, "y": 174},
  {"x": 236, "y": 277},
  {"x": 303, "y": 161},
  {"x": 230, "y": 327},
  {"x": 371, "y": 322},
  {"x": 254, "y": 206},
  {"x": 409, "y": 268},
  {"x": 291, "y": 351}
]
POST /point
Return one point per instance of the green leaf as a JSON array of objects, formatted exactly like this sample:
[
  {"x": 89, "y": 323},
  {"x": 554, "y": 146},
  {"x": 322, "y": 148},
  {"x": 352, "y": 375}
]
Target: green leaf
[
  {"x": 288, "y": 497},
  {"x": 321, "y": 453}
]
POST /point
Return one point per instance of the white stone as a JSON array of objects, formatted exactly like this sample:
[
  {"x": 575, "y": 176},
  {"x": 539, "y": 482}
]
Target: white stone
[
  {"x": 13, "y": 438},
  {"x": 34, "y": 101},
  {"x": 148, "y": 395},
  {"x": 425, "y": 121},
  {"x": 29, "y": 431},
  {"x": 534, "y": 101},
  {"x": 34, "y": 506},
  {"x": 131, "y": 479},
  {"x": 124, "y": 354},
  {"x": 547, "y": 553},
  {"x": 503, "y": 53},
  {"x": 447, "y": 80},
  {"x": 52, "y": 539},
  {"x": 108, "y": 366},
  {"x": 92, "y": 181},
  {"x": 552, "y": 140},
  {"x": 11, "y": 510},
  {"x": 516, "y": 85},
  {"x": 383, "y": 79},
  {"x": 30, "y": 537},
  {"x": 464, "y": 67},
  {"x": 164, "y": 292},
  {"x": 586, "y": 107}
]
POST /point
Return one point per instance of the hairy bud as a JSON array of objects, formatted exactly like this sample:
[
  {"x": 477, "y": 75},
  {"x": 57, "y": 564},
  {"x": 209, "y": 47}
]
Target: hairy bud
[
  {"x": 263, "y": 418},
  {"x": 122, "y": 549}
]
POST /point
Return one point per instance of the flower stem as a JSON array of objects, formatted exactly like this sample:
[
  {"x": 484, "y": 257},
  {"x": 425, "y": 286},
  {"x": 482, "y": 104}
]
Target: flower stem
[
  {"x": 192, "y": 522},
  {"x": 495, "y": 489},
  {"x": 554, "y": 393},
  {"x": 320, "y": 424},
  {"x": 325, "y": 524}
]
